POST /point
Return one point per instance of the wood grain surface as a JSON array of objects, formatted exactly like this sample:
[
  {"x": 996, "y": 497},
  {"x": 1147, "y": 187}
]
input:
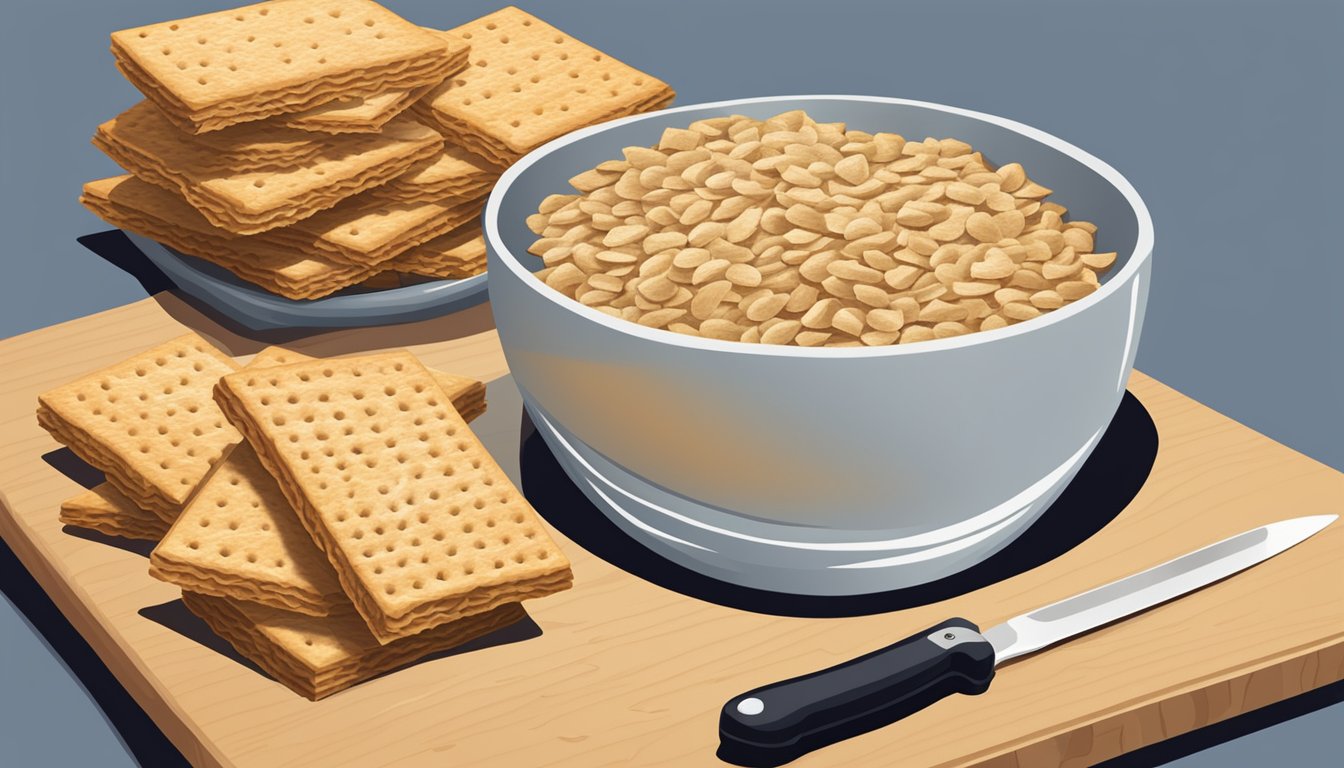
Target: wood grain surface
[{"x": 624, "y": 672}]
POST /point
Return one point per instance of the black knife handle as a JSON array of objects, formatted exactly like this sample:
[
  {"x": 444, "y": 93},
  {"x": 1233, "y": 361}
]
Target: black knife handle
[{"x": 777, "y": 723}]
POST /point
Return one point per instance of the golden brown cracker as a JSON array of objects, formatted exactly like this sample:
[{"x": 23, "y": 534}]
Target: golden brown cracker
[
  {"x": 453, "y": 173},
  {"x": 458, "y": 254},
  {"x": 369, "y": 229},
  {"x": 245, "y": 201},
  {"x": 316, "y": 657},
  {"x": 283, "y": 268},
  {"x": 369, "y": 114},
  {"x": 149, "y": 422},
  {"x": 528, "y": 83},
  {"x": 239, "y": 538},
  {"x": 418, "y": 520},
  {"x": 214, "y": 70},
  {"x": 104, "y": 509}
]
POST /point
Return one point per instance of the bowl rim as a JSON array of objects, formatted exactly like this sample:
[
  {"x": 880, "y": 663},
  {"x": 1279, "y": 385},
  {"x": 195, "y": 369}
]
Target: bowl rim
[{"x": 1142, "y": 252}]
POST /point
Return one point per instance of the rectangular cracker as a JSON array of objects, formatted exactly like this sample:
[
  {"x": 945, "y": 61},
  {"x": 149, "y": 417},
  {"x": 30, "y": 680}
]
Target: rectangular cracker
[
  {"x": 458, "y": 254},
  {"x": 286, "y": 269},
  {"x": 246, "y": 202},
  {"x": 465, "y": 393},
  {"x": 418, "y": 520},
  {"x": 453, "y": 173},
  {"x": 369, "y": 113},
  {"x": 369, "y": 229},
  {"x": 218, "y": 69},
  {"x": 259, "y": 146},
  {"x": 530, "y": 83},
  {"x": 104, "y": 509},
  {"x": 358, "y": 115},
  {"x": 149, "y": 422},
  {"x": 316, "y": 657},
  {"x": 239, "y": 538}
]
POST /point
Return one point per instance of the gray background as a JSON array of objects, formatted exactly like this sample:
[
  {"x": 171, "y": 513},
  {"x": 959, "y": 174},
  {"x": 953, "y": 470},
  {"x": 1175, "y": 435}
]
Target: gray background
[{"x": 1224, "y": 115}]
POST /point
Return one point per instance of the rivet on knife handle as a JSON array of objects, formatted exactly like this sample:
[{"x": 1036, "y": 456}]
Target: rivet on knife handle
[{"x": 777, "y": 723}]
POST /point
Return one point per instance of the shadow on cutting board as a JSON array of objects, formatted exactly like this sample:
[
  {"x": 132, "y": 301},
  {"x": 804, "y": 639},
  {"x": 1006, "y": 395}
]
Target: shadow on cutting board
[
  {"x": 1103, "y": 487},
  {"x": 114, "y": 247},
  {"x": 65, "y": 461},
  {"x": 175, "y": 616}
]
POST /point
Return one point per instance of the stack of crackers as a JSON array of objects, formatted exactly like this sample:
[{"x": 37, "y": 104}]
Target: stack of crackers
[
  {"x": 311, "y": 145},
  {"x": 331, "y": 519}
]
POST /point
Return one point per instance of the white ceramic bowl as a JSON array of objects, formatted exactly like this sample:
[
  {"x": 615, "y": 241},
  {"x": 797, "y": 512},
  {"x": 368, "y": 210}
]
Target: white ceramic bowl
[{"x": 823, "y": 471}]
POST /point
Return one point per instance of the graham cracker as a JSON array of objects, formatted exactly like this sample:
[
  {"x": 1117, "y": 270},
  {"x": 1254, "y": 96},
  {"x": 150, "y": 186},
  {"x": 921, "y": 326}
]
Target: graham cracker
[
  {"x": 104, "y": 509},
  {"x": 218, "y": 69},
  {"x": 284, "y": 268},
  {"x": 368, "y": 229},
  {"x": 528, "y": 83},
  {"x": 453, "y": 173},
  {"x": 245, "y": 202},
  {"x": 148, "y": 422},
  {"x": 458, "y": 254},
  {"x": 316, "y": 657},
  {"x": 418, "y": 520},
  {"x": 239, "y": 538},
  {"x": 258, "y": 146},
  {"x": 465, "y": 393},
  {"x": 370, "y": 113}
]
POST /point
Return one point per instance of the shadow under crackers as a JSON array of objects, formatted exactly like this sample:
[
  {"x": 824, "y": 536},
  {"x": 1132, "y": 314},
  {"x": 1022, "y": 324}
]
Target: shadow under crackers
[
  {"x": 141, "y": 547},
  {"x": 175, "y": 616},
  {"x": 237, "y": 339},
  {"x": 65, "y": 461}
]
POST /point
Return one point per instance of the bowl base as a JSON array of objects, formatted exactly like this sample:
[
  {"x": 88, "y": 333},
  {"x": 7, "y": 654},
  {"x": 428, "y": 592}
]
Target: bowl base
[{"x": 777, "y": 557}]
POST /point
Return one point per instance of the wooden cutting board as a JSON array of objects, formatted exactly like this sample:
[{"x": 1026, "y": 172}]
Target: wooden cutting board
[{"x": 619, "y": 671}]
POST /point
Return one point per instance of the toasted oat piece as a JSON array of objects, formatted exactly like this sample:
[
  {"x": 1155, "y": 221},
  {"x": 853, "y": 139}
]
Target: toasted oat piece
[
  {"x": 104, "y": 509},
  {"x": 219, "y": 69},
  {"x": 244, "y": 201},
  {"x": 316, "y": 657},
  {"x": 419, "y": 522},
  {"x": 529, "y": 83},
  {"x": 148, "y": 422}
]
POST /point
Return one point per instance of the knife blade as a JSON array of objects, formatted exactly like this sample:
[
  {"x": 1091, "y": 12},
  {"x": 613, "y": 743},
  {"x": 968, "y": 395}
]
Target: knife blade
[{"x": 777, "y": 723}]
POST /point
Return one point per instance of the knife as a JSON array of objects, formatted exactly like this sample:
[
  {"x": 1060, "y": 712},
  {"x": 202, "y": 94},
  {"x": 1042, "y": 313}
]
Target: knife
[{"x": 777, "y": 723}]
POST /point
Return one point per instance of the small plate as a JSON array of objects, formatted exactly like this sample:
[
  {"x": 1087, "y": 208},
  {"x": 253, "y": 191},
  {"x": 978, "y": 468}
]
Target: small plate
[{"x": 261, "y": 310}]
